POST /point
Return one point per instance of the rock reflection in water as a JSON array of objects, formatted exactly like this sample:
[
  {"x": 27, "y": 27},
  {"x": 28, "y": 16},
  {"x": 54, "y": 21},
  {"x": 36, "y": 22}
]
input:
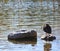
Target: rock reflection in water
[
  {"x": 25, "y": 41},
  {"x": 47, "y": 46}
]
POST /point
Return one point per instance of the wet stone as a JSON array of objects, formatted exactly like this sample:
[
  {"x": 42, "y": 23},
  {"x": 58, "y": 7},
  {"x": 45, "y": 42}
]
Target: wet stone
[{"x": 22, "y": 34}]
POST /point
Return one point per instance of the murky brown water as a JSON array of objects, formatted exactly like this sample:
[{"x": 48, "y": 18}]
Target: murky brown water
[{"x": 29, "y": 14}]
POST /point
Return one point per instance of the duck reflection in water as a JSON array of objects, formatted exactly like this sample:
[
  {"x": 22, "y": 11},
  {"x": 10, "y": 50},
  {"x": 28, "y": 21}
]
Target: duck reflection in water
[{"x": 47, "y": 46}]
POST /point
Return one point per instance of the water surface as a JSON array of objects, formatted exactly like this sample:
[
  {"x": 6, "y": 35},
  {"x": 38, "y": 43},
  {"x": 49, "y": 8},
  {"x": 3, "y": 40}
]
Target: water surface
[{"x": 29, "y": 14}]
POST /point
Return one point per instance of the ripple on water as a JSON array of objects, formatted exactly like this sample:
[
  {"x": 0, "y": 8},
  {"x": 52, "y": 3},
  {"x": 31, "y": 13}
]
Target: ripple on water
[{"x": 28, "y": 15}]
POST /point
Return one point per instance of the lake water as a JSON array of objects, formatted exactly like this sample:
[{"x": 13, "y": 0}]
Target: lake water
[{"x": 30, "y": 15}]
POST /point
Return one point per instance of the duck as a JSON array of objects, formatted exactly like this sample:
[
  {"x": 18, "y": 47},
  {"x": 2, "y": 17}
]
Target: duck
[{"x": 48, "y": 30}]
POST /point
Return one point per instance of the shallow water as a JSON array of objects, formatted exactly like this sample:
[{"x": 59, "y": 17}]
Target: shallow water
[{"x": 29, "y": 14}]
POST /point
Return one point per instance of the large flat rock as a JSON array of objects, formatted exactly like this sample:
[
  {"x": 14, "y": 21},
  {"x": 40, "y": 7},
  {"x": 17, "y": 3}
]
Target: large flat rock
[{"x": 22, "y": 34}]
